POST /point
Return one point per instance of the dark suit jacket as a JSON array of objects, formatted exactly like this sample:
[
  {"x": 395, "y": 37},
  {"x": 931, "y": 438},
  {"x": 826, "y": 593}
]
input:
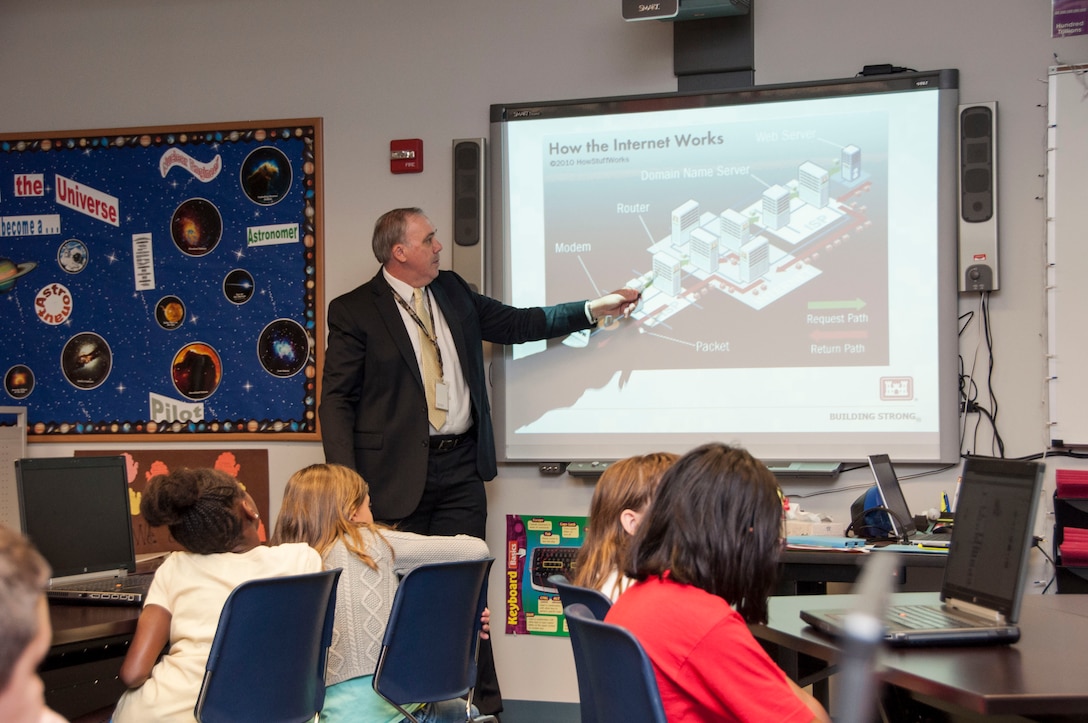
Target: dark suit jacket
[{"x": 373, "y": 410}]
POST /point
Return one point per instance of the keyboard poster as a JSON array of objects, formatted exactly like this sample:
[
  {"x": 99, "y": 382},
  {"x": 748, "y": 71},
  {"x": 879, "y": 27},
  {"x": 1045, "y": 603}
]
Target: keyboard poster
[
  {"x": 536, "y": 548},
  {"x": 162, "y": 283}
]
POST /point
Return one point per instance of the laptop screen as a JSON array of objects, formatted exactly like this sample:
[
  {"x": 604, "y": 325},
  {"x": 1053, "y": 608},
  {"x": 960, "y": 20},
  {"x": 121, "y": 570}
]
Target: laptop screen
[
  {"x": 892, "y": 494},
  {"x": 76, "y": 512},
  {"x": 995, "y": 521}
]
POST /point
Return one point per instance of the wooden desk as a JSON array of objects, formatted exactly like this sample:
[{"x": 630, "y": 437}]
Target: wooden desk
[
  {"x": 1042, "y": 675},
  {"x": 807, "y": 572},
  {"x": 89, "y": 644},
  {"x": 86, "y": 623}
]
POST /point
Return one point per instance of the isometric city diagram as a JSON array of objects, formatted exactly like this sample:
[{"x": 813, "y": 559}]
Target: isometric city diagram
[{"x": 757, "y": 253}]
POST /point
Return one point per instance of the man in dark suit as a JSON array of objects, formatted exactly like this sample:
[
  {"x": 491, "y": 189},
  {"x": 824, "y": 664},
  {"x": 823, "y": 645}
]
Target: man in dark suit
[{"x": 425, "y": 449}]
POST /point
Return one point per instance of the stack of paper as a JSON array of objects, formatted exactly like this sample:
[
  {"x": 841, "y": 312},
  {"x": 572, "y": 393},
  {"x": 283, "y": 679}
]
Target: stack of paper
[
  {"x": 1074, "y": 547},
  {"x": 1071, "y": 483}
]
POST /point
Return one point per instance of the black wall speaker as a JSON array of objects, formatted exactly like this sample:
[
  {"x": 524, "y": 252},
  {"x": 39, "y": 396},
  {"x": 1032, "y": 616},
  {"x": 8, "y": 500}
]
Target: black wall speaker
[
  {"x": 978, "y": 197},
  {"x": 468, "y": 210}
]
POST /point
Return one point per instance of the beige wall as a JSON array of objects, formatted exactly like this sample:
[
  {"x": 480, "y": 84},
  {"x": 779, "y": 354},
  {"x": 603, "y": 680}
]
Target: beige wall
[{"x": 382, "y": 70}]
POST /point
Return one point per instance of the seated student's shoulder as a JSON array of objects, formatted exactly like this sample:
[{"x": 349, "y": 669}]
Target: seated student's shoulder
[
  {"x": 296, "y": 555},
  {"x": 436, "y": 548}
]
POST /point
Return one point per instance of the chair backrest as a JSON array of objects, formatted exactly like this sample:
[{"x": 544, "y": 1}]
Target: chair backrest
[
  {"x": 429, "y": 649},
  {"x": 598, "y": 604},
  {"x": 618, "y": 671},
  {"x": 267, "y": 660},
  {"x": 569, "y": 593}
]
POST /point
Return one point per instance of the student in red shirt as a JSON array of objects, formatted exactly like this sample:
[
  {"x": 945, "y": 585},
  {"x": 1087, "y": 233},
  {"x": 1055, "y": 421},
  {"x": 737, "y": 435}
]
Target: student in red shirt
[{"x": 705, "y": 557}]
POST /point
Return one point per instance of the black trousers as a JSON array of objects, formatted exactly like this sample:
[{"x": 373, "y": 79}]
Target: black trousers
[{"x": 455, "y": 503}]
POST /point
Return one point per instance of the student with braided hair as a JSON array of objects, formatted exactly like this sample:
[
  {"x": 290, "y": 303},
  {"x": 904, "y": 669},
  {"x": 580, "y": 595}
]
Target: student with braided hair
[{"x": 216, "y": 521}]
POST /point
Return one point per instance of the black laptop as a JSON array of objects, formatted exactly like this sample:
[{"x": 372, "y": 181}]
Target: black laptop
[
  {"x": 902, "y": 521},
  {"x": 987, "y": 564},
  {"x": 76, "y": 511}
]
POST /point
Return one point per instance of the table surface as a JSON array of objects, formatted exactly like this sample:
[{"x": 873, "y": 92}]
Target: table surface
[
  {"x": 1041, "y": 674},
  {"x": 850, "y": 558},
  {"x": 85, "y": 623}
]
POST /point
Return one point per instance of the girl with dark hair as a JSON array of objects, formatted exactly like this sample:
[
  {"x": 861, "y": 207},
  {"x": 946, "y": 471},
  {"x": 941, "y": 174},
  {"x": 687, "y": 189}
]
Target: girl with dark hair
[
  {"x": 619, "y": 501},
  {"x": 216, "y": 521},
  {"x": 704, "y": 558}
]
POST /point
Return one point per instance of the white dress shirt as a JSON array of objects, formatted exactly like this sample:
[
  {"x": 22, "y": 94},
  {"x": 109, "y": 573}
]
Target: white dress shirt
[{"x": 459, "y": 415}]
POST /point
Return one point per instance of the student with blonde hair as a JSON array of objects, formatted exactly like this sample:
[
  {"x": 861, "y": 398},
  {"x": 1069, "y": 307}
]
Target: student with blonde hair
[
  {"x": 622, "y": 495},
  {"x": 328, "y": 507}
]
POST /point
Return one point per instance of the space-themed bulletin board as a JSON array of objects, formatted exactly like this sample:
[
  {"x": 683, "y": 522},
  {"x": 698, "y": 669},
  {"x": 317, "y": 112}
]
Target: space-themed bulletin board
[{"x": 163, "y": 282}]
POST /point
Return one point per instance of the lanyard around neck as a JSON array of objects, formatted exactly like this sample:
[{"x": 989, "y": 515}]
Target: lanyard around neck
[{"x": 432, "y": 335}]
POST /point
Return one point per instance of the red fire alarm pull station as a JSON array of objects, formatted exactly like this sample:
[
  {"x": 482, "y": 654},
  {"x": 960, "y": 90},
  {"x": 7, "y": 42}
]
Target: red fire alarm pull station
[{"x": 406, "y": 156}]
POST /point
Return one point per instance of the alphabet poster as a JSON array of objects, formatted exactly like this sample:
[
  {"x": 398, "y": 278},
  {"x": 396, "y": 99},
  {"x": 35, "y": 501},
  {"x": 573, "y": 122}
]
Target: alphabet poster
[{"x": 162, "y": 282}]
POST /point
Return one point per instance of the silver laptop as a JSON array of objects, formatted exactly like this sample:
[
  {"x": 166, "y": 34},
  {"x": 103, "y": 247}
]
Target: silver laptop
[
  {"x": 987, "y": 564},
  {"x": 900, "y": 518},
  {"x": 76, "y": 512}
]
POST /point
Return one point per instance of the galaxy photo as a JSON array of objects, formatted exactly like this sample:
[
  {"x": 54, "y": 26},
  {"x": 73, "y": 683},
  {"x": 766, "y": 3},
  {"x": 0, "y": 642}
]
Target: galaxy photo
[
  {"x": 196, "y": 227},
  {"x": 170, "y": 312},
  {"x": 197, "y": 371},
  {"x": 238, "y": 286},
  {"x": 283, "y": 347},
  {"x": 266, "y": 176},
  {"x": 19, "y": 381},
  {"x": 86, "y": 360}
]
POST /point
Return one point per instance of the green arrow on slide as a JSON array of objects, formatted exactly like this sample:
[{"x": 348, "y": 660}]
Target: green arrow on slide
[{"x": 854, "y": 304}]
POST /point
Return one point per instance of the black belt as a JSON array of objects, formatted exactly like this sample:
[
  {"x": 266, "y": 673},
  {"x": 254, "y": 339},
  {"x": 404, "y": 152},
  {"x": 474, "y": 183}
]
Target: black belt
[{"x": 446, "y": 442}]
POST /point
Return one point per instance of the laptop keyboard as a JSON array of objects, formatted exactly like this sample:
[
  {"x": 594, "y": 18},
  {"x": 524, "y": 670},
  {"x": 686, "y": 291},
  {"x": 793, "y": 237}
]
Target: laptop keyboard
[
  {"x": 113, "y": 584},
  {"x": 923, "y": 617}
]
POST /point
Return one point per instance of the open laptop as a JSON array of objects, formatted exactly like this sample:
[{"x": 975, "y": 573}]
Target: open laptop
[
  {"x": 76, "y": 512},
  {"x": 987, "y": 564},
  {"x": 900, "y": 518}
]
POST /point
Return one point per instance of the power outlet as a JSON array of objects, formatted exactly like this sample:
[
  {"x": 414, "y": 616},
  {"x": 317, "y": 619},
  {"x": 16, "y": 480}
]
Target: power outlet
[{"x": 552, "y": 469}]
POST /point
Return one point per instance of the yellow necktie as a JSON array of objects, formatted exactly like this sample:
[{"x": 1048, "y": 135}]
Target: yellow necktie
[{"x": 431, "y": 372}]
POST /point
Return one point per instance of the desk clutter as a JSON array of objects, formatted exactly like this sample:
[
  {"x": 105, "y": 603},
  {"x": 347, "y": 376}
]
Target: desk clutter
[
  {"x": 1071, "y": 530},
  {"x": 825, "y": 541},
  {"x": 798, "y": 522}
]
